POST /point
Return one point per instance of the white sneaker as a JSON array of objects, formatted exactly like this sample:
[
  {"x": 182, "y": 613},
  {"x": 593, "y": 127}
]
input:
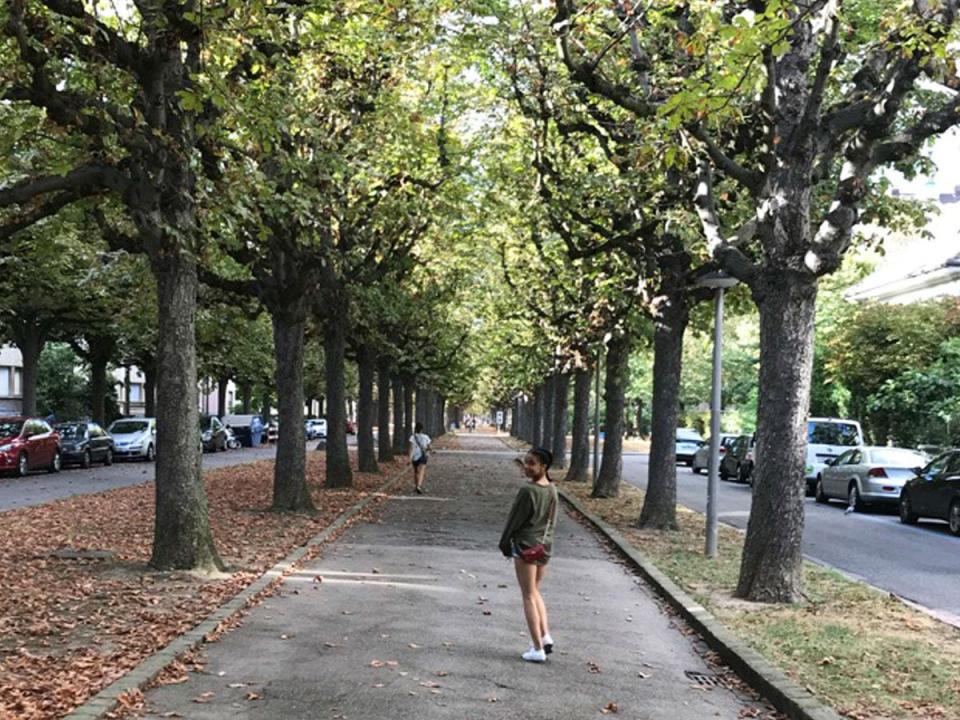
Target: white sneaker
[
  {"x": 547, "y": 643},
  {"x": 535, "y": 656}
]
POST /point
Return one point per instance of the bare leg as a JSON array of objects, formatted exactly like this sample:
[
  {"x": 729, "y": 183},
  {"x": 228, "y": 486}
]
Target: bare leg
[
  {"x": 527, "y": 578},
  {"x": 419, "y": 473},
  {"x": 544, "y": 625},
  {"x": 416, "y": 474}
]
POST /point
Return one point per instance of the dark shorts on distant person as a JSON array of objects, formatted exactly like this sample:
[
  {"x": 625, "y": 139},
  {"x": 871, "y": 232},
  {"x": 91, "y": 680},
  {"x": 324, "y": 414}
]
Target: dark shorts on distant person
[{"x": 422, "y": 460}]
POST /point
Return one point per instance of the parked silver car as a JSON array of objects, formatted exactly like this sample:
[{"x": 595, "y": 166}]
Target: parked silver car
[
  {"x": 688, "y": 442},
  {"x": 134, "y": 437},
  {"x": 866, "y": 475},
  {"x": 701, "y": 458}
]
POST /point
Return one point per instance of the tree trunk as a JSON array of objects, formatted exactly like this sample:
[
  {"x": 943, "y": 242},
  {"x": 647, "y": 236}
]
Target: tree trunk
[
  {"x": 101, "y": 350},
  {"x": 149, "y": 391},
  {"x": 580, "y": 451},
  {"x": 222, "y": 408},
  {"x": 611, "y": 462},
  {"x": 561, "y": 391},
  {"x": 290, "y": 492},
  {"x": 546, "y": 441},
  {"x": 420, "y": 409},
  {"x": 639, "y": 418},
  {"x": 321, "y": 406},
  {"x": 770, "y": 569},
  {"x": 30, "y": 339},
  {"x": 367, "y": 370},
  {"x": 529, "y": 419},
  {"x": 126, "y": 391},
  {"x": 408, "y": 421},
  {"x": 246, "y": 397},
  {"x": 182, "y": 539},
  {"x": 384, "y": 446},
  {"x": 660, "y": 505},
  {"x": 536, "y": 436},
  {"x": 338, "y": 458},
  {"x": 399, "y": 439}
]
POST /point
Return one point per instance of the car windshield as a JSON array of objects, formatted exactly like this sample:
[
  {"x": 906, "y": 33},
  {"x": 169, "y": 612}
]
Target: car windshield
[
  {"x": 833, "y": 433},
  {"x": 128, "y": 427},
  {"x": 897, "y": 457},
  {"x": 9, "y": 429},
  {"x": 72, "y": 432}
]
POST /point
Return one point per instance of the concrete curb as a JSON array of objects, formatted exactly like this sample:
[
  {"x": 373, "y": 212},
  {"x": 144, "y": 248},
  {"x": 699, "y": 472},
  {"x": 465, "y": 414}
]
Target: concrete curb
[
  {"x": 141, "y": 675},
  {"x": 762, "y": 675}
]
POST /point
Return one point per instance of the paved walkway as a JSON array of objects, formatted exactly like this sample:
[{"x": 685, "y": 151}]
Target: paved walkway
[{"x": 418, "y": 616}]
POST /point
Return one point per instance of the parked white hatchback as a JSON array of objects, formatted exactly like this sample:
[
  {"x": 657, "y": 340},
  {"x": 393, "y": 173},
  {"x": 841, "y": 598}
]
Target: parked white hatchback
[
  {"x": 867, "y": 475},
  {"x": 134, "y": 437}
]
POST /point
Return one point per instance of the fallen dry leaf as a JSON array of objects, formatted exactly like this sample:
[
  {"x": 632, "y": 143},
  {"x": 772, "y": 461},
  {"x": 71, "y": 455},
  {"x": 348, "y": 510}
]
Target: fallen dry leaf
[{"x": 610, "y": 708}]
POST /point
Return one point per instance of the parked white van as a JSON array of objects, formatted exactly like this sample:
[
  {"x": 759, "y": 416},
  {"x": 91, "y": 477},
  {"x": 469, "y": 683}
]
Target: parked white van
[{"x": 827, "y": 439}]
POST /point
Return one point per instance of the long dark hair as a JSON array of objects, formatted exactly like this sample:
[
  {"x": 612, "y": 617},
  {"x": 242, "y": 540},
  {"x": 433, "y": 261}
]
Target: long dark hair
[{"x": 545, "y": 457}]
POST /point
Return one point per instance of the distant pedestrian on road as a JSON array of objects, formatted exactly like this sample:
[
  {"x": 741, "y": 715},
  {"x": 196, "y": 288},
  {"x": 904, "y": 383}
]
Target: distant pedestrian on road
[
  {"x": 419, "y": 444},
  {"x": 528, "y": 539}
]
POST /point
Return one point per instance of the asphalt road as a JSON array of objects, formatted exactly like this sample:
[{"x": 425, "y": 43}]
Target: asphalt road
[
  {"x": 920, "y": 564},
  {"x": 41, "y": 487}
]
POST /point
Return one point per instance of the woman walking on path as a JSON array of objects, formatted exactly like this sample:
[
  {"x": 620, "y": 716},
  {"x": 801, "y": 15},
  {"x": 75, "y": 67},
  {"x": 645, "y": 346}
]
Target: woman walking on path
[
  {"x": 419, "y": 444},
  {"x": 528, "y": 539}
]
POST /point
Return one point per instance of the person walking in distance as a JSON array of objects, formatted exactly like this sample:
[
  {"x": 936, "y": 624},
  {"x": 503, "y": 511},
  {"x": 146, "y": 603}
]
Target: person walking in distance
[
  {"x": 528, "y": 539},
  {"x": 419, "y": 444}
]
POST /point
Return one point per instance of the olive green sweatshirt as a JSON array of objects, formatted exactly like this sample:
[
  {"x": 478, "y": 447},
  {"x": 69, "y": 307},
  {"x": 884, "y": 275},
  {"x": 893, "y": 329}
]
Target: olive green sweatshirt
[{"x": 531, "y": 521}]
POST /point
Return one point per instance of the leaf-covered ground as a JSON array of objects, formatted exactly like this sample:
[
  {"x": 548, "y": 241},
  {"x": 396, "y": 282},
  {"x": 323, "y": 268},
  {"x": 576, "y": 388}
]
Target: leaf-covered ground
[{"x": 69, "y": 627}]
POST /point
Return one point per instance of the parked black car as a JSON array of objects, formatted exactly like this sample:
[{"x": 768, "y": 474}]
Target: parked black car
[
  {"x": 213, "y": 434},
  {"x": 934, "y": 492},
  {"x": 84, "y": 443},
  {"x": 738, "y": 461}
]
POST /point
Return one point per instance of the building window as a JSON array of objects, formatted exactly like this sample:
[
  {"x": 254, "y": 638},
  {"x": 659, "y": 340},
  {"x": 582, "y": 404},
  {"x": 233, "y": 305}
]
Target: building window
[
  {"x": 11, "y": 382},
  {"x": 136, "y": 392}
]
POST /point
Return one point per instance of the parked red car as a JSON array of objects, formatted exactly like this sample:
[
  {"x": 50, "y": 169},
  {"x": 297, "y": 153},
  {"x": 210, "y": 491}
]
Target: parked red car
[
  {"x": 351, "y": 427},
  {"x": 28, "y": 444}
]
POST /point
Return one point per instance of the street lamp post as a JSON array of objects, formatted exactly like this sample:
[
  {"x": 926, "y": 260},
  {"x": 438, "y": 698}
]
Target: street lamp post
[{"x": 718, "y": 281}]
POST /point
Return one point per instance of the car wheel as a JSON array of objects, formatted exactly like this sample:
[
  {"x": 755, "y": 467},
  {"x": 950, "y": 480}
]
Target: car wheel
[
  {"x": 853, "y": 498},
  {"x": 953, "y": 517},
  {"x": 151, "y": 453},
  {"x": 87, "y": 460},
  {"x": 23, "y": 465},
  {"x": 55, "y": 464},
  {"x": 108, "y": 458},
  {"x": 819, "y": 495},
  {"x": 907, "y": 515}
]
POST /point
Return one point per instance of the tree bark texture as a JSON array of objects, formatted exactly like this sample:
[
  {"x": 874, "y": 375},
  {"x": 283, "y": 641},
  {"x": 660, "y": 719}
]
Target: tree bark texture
[
  {"x": 99, "y": 359},
  {"x": 149, "y": 391},
  {"x": 546, "y": 440},
  {"x": 611, "y": 461},
  {"x": 246, "y": 397},
  {"x": 290, "y": 492},
  {"x": 536, "y": 436},
  {"x": 399, "y": 441},
  {"x": 770, "y": 569},
  {"x": 339, "y": 473},
  {"x": 580, "y": 450},
  {"x": 367, "y": 370},
  {"x": 30, "y": 339},
  {"x": 182, "y": 537},
  {"x": 222, "y": 408},
  {"x": 561, "y": 391},
  {"x": 408, "y": 421},
  {"x": 384, "y": 446},
  {"x": 660, "y": 504}
]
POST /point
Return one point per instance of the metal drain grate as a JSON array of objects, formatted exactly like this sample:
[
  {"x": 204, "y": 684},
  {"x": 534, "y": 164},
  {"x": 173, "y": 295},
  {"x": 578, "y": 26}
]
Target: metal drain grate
[{"x": 704, "y": 679}]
